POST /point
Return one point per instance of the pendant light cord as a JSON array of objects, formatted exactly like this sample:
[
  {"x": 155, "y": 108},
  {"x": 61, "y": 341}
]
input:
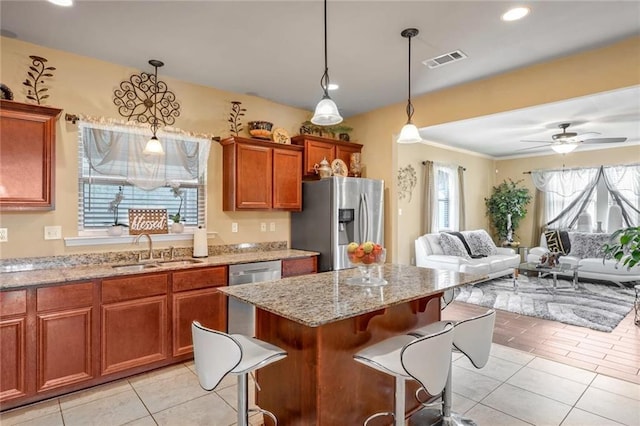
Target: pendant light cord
[
  {"x": 324, "y": 81},
  {"x": 154, "y": 126},
  {"x": 409, "y": 104}
]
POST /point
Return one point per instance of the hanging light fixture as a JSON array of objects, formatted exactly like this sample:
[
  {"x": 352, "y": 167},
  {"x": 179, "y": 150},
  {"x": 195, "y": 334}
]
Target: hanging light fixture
[
  {"x": 153, "y": 145},
  {"x": 326, "y": 113},
  {"x": 409, "y": 132},
  {"x": 564, "y": 147}
]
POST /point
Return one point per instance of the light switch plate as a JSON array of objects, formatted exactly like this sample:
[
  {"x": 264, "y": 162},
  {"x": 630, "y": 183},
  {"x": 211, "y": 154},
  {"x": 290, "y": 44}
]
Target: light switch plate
[
  {"x": 272, "y": 227},
  {"x": 4, "y": 235},
  {"x": 234, "y": 227},
  {"x": 52, "y": 232},
  {"x": 263, "y": 227}
]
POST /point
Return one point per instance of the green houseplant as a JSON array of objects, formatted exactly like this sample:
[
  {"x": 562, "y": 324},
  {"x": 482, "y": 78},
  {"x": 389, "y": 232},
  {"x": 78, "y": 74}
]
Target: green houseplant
[
  {"x": 624, "y": 247},
  {"x": 508, "y": 198}
]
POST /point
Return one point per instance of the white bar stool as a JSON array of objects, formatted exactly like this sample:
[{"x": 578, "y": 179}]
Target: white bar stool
[
  {"x": 217, "y": 354},
  {"x": 404, "y": 358},
  {"x": 472, "y": 337}
]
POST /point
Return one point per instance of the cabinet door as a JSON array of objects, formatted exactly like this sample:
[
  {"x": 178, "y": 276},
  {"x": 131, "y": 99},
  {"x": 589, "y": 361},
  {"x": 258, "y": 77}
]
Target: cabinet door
[
  {"x": 344, "y": 153},
  {"x": 27, "y": 149},
  {"x": 287, "y": 179},
  {"x": 64, "y": 339},
  {"x": 13, "y": 358},
  {"x": 206, "y": 306},
  {"x": 301, "y": 266},
  {"x": 253, "y": 177},
  {"x": 315, "y": 152},
  {"x": 134, "y": 333}
]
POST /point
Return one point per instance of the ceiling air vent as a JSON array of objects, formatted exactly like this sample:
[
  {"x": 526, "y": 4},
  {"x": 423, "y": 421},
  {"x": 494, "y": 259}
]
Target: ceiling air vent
[{"x": 447, "y": 58}]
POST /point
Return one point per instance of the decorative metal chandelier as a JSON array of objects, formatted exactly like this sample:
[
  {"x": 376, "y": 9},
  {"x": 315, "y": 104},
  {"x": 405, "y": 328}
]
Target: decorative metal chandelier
[{"x": 145, "y": 99}]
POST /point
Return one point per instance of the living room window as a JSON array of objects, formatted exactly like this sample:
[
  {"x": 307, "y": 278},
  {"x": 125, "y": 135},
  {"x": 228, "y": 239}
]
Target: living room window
[
  {"x": 110, "y": 159},
  {"x": 446, "y": 184}
]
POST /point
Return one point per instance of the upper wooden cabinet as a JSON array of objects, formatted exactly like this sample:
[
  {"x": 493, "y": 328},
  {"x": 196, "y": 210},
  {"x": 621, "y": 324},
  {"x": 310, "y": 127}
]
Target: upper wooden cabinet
[
  {"x": 317, "y": 148},
  {"x": 261, "y": 175},
  {"x": 27, "y": 149}
]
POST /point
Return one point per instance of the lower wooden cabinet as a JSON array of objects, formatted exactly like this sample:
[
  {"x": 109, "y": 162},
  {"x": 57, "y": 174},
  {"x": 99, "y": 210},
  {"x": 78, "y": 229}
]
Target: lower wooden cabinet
[{"x": 299, "y": 266}]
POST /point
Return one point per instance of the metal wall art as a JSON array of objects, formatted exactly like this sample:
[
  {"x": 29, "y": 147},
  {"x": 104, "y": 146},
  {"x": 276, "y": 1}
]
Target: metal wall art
[
  {"x": 145, "y": 99},
  {"x": 406, "y": 182},
  {"x": 34, "y": 82},
  {"x": 234, "y": 117}
]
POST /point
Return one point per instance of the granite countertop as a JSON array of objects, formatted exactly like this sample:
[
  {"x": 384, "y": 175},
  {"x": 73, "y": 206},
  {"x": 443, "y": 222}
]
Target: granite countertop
[
  {"x": 27, "y": 278},
  {"x": 317, "y": 299}
]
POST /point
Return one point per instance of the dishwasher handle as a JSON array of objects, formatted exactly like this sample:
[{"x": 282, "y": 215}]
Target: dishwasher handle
[{"x": 251, "y": 271}]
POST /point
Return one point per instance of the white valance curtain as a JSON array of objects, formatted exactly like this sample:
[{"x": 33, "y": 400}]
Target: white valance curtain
[{"x": 117, "y": 150}]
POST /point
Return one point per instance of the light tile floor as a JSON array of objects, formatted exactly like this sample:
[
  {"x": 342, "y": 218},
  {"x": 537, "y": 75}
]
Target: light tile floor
[{"x": 514, "y": 388}]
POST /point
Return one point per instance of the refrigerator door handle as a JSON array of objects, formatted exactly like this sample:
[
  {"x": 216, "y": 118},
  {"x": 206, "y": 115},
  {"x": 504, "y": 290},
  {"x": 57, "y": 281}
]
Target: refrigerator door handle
[
  {"x": 361, "y": 224},
  {"x": 366, "y": 217}
]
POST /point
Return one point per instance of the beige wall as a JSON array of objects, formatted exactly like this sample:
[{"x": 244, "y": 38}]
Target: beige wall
[
  {"x": 83, "y": 85},
  {"x": 607, "y": 68}
]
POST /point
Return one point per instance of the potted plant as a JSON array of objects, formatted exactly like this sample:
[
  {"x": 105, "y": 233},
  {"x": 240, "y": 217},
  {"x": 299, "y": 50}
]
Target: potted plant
[
  {"x": 506, "y": 207},
  {"x": 624, "y": 247},
  {"x": 116, "y": 228},
  {"x": 177, "y": 227}
]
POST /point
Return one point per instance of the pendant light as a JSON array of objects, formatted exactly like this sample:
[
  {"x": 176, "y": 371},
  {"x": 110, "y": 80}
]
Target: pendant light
[
  {"x": 153, "y": 145},
  {"x": 326, "y": 113},
  {"x": 409, "y": 132}
]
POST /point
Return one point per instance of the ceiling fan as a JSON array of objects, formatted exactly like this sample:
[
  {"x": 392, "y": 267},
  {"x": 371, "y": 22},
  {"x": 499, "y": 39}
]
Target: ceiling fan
[{"x": 566, "y": 142}]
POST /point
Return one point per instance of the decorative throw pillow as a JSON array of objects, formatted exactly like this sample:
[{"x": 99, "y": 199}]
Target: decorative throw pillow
[
  {"x": 558, "y": 241},
  {"x": 480, "y": 242},
  {"x": 452, "y": 246},
  {"x": 587, "y": 245}
]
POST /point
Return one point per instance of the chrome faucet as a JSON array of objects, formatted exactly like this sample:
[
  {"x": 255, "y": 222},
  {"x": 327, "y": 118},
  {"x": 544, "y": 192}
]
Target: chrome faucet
[{"x": 137, "y": 240}]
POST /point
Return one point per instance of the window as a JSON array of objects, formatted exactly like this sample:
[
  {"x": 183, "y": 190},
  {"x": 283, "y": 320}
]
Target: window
[
  {"x": 111, "y": 157},
  {"x": 447, "y": 198}
]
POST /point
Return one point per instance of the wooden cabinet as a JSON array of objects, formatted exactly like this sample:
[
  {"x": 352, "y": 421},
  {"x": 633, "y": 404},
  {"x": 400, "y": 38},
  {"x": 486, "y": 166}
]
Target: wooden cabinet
[
  {"x": 134, "y": 323},
  {"x": 261, "y": 175},
  {"x": 27, "y": 149},
  {"x": 196, "y": 298},
  {"x": 299, "y": 266},
  {"x": 64, "y": 319},
  {"x": 13, "y": 345},
  {"x": 317, "y": 148}
]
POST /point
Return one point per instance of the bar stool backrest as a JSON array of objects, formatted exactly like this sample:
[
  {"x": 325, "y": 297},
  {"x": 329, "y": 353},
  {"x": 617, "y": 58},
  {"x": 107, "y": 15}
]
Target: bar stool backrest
[
  {"x": 428, "y": 359},
  {"x": 215, "y": 354},
  {"x": 473, "y": 337}
]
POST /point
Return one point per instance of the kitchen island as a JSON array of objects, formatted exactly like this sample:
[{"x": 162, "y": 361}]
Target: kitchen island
[{"x": 321, "y": 321}]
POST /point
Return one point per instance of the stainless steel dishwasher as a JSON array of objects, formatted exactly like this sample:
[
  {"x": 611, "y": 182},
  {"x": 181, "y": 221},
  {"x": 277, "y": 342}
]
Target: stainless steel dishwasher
[{"x": 241, "y": 316}]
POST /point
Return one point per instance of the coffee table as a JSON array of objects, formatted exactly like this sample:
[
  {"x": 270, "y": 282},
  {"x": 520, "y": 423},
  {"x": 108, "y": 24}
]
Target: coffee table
[{"x": 562, "y": 269}]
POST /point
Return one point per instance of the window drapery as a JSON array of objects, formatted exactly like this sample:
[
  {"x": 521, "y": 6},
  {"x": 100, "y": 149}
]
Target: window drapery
[
  {"x": 116, "y": 150},
  {"x": 443, "y": 201}
]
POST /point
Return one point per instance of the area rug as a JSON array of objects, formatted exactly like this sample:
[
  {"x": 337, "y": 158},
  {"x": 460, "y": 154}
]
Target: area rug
[{"x": 596, "y": 306}]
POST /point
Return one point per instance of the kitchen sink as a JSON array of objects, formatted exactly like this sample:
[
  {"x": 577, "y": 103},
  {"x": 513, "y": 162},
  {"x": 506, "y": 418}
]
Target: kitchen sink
[
  {"x": 134, "y": 267},
  {"x": 182, "y": 262}
]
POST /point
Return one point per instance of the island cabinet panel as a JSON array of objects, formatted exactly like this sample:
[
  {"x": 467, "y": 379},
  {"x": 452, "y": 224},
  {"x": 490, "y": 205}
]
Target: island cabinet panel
[
  {"x": 27, "y": 149},
  {"x": 13, "y": 345},
  {"x": 300, "y": 266},
  {"x": 134, "y": 322},
  {"x": 196, "y": 298},
  {"x": 260, "y": 175},
  {"x": 317, "y": 148},
  {"x": 64, "y": 322}
]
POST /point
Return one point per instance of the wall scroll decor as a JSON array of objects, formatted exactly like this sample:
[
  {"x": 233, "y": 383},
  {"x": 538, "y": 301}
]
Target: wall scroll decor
[
  {"x": 406, "y": 182},
  {"x": 34, "y": 82},
  {"x": 234, "y": 117},
  {"x": 145, "y": 99},
  {"x": 148, "y": 221}
]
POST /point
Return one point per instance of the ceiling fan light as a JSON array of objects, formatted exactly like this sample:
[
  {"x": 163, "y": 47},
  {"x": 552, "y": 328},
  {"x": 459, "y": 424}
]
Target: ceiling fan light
[
  {"x": 326, "y": 113},
  {"x": 409, "y": 134},
  {"x": 564, "y": 148},
  {"x": 153, "y": 147},
  {"x": 515, "y": 14}
]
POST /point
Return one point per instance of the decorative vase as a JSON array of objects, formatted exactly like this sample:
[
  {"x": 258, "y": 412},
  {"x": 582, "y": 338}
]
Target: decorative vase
[
  {"x": 177, "y": 228},
  {"x": 114, "y": 230}
]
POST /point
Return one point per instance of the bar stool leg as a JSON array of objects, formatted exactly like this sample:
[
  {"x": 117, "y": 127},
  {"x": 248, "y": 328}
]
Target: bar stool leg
[
  {"x": 399, "y": 402},
  {"x": 243, "y": 398}
]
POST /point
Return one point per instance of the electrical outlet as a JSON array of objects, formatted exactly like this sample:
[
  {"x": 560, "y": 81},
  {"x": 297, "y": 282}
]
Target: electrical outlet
[
  {"x": 4, "y": 235},
  {"x": 272, "y": 227},
  {"x": 234, "y": 227},
  {"x": 263, "y": 227},
  {"x": 52, "y": 232}
]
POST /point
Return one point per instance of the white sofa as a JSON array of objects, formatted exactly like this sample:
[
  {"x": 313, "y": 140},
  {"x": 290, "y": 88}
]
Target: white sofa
[
  {"x": 589, "y": 267},
  {"x": 429, "y": 254}
]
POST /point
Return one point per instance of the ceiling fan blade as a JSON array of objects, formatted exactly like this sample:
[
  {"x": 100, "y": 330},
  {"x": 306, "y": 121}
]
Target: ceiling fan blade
[
  {"x": 605, "y": 140},
  {"x": 532, "y": 147},
  {"x": 582, "y": 136},
  {"x": 525, "y": 140}
]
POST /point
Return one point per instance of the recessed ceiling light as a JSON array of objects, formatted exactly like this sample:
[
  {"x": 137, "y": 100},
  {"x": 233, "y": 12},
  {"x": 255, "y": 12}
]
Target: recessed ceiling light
[
  {"x": 515, "y": 14},
  {"x": 333, "y": 86},
  {"x": 62, "y": 2}
]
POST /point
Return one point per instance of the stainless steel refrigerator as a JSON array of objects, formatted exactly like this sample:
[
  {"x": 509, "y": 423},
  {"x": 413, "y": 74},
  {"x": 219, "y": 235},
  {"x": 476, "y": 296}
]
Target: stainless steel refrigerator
[{"x": 335, "y": 212}]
